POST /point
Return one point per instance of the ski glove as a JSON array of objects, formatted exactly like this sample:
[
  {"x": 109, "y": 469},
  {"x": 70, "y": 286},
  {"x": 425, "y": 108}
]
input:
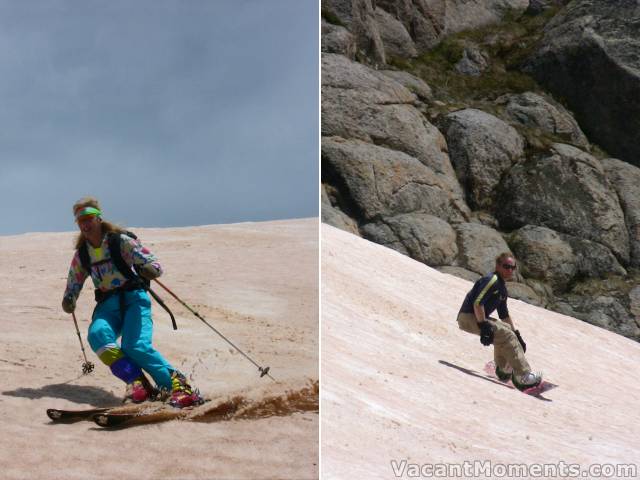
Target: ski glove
[
  {"x": 524, "y": 345},
  {"x": 486, "y": 333},
  {"x": 148, "y": 272},
  {"x": 69, "y": 304}
]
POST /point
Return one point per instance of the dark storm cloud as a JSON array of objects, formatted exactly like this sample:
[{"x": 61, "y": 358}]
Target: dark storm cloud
[{"x": 172, "y": 113}]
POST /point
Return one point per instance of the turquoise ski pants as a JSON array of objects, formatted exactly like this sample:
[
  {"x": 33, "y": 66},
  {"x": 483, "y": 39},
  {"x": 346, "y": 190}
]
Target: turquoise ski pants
[{"x": 136, "y": 328}]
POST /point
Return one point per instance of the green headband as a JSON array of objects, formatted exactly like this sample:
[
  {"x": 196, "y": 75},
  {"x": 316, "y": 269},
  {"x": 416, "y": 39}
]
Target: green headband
[{"x": 88, "y": 211}]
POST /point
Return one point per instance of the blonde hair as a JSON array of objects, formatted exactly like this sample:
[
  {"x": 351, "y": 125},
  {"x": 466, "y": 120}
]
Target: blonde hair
[
  {"x": 106, "y": 226},
  {"x": 503, "y": 256}
]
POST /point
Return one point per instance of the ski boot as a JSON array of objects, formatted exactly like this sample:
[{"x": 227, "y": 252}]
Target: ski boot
[
  {"x": 503, "y": 375},
  {"x": 182, "y": 394},
  {"x": 140, "y": 390},
  {"x": 526, "y": 381}
]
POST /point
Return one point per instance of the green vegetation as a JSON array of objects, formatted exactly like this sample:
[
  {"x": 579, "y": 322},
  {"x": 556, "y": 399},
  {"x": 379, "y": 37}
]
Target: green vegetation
[
  {"x": 331, "y": 17},
  {"x": 507, "y": 44},
  {"x": 599, "y": 152},
  {"x": 611, "y": 285}
]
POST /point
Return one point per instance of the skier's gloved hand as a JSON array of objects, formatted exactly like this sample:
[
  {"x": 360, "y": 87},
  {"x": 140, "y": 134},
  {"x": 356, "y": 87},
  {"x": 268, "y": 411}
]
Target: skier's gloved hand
[
  {"x": 69, "y": 304},
  {"x": 524, "y": 345},
  {"x": 149, "y": 271},
  {"x": 486, "y": 333}
]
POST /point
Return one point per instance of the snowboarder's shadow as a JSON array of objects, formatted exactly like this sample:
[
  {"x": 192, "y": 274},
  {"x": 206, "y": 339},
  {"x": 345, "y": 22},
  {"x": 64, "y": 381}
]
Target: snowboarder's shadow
[
  {"x": 472, "y": 373},
  {"x": 81, "y": 394}
]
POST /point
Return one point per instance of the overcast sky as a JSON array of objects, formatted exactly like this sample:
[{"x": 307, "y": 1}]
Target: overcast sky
[{"x": 172, "y": 113}]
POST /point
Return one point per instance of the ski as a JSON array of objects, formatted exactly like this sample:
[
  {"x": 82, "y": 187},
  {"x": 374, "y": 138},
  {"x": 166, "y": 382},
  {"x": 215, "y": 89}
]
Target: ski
[
  {"x": 162, "y": 413},
  {"x": 490, "y": 369},
  {"x": 70, "y": 416},
  {"x": 115, "y": 419}
]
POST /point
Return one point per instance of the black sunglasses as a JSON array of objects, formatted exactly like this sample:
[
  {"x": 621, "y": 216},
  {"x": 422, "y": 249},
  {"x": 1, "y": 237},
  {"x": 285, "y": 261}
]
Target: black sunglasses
[{"x": 508, "y": 267}]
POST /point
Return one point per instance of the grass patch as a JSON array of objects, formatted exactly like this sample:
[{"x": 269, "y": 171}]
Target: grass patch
[
  {"x": 507, "y": 44},
  {"x": 611, "y": 285},
  {"x": 331, "y": 17},
  {"x": 437, "y": 69},
  {"x": 399, "y": 63}
]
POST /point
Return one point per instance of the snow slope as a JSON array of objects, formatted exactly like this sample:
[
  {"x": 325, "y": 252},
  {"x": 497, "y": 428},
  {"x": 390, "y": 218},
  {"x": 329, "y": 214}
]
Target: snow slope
[
  {"x": 394, "y": 385},
  {"x": 256, "y": 282}
]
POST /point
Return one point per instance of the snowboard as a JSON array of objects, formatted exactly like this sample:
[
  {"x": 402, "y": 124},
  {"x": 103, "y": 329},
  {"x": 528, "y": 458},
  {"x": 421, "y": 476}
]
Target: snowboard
[{"x": 490, "y": 370}]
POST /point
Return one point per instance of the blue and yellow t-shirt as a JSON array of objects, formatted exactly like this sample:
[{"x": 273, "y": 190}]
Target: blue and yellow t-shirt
[{"x": 490, "y": 292}]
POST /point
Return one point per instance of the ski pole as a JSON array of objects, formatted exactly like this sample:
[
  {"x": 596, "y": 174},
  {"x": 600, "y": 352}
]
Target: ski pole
[
  {"x": 163, "y": 305},
  {"x": 87, "y": 366},
  {"x": 263, "y": 370}
]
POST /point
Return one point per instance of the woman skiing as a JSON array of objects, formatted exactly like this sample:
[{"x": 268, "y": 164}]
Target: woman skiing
[{"x": 123, "y": 307}]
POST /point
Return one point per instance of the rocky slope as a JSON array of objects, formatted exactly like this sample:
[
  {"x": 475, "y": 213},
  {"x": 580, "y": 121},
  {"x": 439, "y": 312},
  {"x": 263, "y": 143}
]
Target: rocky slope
[
  {"x": 438, "y": 142},
  {"x": 589, "y": 57}
]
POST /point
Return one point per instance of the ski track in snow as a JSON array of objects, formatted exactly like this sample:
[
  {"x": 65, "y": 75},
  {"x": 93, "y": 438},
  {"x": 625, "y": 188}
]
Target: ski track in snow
[
  {"x": 255, "y": 282},
  {"x": 396, "y": 382}
]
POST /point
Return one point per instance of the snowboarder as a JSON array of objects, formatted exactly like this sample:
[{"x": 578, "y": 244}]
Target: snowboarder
[
  {"x": 488, "y": 294},
  {"x": 123, "y": 308}
]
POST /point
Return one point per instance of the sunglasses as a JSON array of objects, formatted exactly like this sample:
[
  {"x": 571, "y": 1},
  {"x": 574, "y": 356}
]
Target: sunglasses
[
  {"x": 85, "y": 218},
  {"x": 508, "y": 267}
]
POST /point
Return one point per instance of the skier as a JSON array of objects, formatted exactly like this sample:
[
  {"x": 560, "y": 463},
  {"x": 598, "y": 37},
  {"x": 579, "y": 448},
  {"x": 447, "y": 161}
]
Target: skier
[
  {"x": 488, "y": 294},
  {"x": 123, "y": 308}
]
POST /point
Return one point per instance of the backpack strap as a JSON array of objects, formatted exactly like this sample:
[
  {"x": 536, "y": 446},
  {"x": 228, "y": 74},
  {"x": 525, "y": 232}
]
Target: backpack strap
[
  {"x": 134, "y": 280},
  {"x": 113, "y": 240},
  {"x": 85, "y": 260},
  {"x": 116, "y": 257}
]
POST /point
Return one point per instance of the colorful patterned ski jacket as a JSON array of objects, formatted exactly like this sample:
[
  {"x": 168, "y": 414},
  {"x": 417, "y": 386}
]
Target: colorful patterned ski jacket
[{"x": 104, "y": 274}]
